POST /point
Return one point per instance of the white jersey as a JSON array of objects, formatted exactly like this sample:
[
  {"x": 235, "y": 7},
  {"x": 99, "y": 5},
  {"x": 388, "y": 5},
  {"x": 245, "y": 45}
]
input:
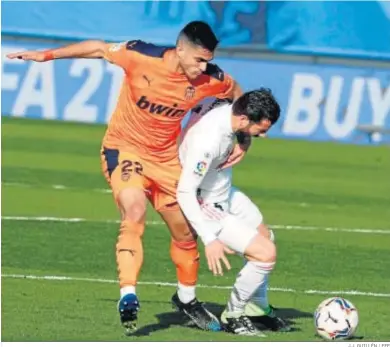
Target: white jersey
[
  {"x": 215, "y": 186},
  {"x": 206, "y": 143}
]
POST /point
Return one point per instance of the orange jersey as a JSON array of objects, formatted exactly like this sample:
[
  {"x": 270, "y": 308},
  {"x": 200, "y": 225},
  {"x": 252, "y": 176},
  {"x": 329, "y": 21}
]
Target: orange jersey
[{"x": 153, "y": 100}]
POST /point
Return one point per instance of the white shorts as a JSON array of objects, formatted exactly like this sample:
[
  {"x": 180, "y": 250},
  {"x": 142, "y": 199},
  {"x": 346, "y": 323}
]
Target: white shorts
[{"x": 239, "y": 217}]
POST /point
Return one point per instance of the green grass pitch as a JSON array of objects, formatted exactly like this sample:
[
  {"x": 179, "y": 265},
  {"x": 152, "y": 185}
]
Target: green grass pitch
[{"x": 53, "y": 169}]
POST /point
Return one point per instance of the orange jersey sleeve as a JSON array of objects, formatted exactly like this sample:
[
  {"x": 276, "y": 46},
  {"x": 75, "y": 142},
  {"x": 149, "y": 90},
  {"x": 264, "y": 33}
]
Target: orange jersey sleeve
[
  {"x": 216, "y": 83},
  {"x": 121, "y": 54},
  {"x": 226, "y": 88}
]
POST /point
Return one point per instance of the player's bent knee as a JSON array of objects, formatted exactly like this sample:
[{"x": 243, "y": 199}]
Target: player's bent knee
[
  {"x": 261, "y": 249},
  {"x": 134, "y": 213},
  {"x": 270, "y": 253},
  {"x": 263, "y": 230},
  {"x": 266, "y": 232}
]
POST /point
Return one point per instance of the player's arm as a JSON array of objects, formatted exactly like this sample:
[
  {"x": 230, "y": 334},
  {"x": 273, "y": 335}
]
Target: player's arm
[
  {"x": 228, "y": 88},
  {"x": 194, "y": 168},
  {"x": 115, "y": 53},
  {"x": 84, "y": 49}
]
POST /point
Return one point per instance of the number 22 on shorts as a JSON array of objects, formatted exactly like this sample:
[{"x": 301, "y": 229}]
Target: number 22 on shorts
[{"x": 128, "y": 167}]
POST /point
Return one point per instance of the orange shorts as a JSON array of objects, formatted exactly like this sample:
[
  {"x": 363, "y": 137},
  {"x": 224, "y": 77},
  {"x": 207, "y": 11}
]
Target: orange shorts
[{"x": 159, "y": 180}]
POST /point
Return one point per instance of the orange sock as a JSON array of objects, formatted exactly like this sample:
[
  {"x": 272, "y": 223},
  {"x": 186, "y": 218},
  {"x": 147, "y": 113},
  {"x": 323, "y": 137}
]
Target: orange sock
[
  {"x": 129, "y": 252},
  {"x": 185, "y": 256}
]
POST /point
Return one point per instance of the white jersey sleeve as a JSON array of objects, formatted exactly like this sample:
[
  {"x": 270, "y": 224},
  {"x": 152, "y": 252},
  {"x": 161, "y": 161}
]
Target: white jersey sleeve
[{"x": 195, "y": 166}]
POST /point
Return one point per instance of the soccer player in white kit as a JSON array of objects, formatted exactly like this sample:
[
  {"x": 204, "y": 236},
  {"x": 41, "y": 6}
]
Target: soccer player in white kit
[{"x": 222, "y": 215}]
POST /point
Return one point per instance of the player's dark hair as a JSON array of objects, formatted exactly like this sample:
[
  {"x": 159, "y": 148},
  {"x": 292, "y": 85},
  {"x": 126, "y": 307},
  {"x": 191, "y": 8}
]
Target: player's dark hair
[
  {"x": 199, "y": 33},
  {"x": 257, "y": 105}
]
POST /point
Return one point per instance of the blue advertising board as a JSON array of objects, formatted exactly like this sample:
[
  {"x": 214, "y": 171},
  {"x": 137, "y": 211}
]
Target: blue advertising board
[
  {"x": 346, "y": 28},
  {"x": 342, "y": 28},
  {"x": 234, "y": 22},
  {"x": 319, "y": 102}
]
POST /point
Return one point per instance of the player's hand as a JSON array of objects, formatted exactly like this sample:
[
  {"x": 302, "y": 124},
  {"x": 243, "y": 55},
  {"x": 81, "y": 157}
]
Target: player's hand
[
  {"x": 28, "y": 55},
  {"x": 215, "y": 252},
  {"x": 236, "y": 156},
  {"x": 228, "y": 250}
]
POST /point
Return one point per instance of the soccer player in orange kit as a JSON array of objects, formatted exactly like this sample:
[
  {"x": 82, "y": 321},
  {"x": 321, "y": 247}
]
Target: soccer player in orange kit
[{"x": 139, "y": 151}]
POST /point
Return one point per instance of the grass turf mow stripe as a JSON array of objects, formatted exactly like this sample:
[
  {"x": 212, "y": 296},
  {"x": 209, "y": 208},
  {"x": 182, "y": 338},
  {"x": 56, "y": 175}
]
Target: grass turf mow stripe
[
  {"x": 169, "y": 284},
  {"x": 282, "y": 227}
]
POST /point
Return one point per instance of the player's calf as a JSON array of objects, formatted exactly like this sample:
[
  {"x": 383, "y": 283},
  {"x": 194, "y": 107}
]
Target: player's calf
[
  {"x": 184, "y": 253},
  {"x": 261, "y": 255},
  {"x": 259, "y": 305},
  {"x": 259, "y": 311},
  {"x": 129, "y": 256},
  {"x": 185, "y": 256},
  {"x": 129, "y": 253}
]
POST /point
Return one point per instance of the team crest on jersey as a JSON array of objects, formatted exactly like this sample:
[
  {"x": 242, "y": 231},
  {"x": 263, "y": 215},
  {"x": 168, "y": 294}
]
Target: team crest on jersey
[
  {"x": 189, "y": 93},
  {"x": 200, "y": 168}
]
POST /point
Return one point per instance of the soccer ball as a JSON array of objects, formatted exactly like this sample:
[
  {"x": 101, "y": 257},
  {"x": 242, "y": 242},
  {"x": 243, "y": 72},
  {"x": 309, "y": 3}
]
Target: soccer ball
[{"x": 336, "y": 319}]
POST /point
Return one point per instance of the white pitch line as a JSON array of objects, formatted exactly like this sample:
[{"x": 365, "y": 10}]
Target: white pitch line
[
  {"x": 280, "y": 227},
  {"x": 16, "y": 184},
  {"x": 43, "y": 219},
  {"x": 169, "y": 284},
  {"x": 53, "y": 186},
  {"x": 317, "y": 228},
  {"x": 108, "y": 191}
]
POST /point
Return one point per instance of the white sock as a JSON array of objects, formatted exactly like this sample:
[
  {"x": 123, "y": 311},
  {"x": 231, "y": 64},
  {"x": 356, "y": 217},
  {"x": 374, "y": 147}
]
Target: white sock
[
  {"x": 260, "y": 296},
  {"x": 185, "y": 293},
  {"x": 127, "y": 290},
  {"x": 251, "y": 276}
]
